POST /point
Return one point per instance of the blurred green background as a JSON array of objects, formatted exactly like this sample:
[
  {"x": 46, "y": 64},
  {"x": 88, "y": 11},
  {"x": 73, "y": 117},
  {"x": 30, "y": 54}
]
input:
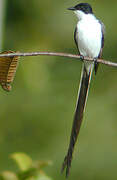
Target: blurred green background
[{"x": 36, "y": 116}]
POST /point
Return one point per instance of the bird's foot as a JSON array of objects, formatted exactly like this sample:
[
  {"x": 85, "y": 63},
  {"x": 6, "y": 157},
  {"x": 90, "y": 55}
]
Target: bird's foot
[
  {"x": 95, "y": 60},
  {"x": 82, "y": 57}
]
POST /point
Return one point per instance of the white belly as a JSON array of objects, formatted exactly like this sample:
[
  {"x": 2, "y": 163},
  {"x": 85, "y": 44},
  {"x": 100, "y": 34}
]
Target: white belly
[{"x": 89, "y": 37}]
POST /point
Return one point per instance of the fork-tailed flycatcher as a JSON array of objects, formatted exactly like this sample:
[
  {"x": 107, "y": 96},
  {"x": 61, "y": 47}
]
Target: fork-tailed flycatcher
[{"x": 89, "y": 39}]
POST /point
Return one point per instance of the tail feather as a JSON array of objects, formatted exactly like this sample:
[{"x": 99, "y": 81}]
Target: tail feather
[{"x": 81, "y": 102}]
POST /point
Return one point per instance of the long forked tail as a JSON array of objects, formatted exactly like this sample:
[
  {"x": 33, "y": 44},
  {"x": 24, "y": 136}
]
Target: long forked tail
[{"x": 80, "y": 106}]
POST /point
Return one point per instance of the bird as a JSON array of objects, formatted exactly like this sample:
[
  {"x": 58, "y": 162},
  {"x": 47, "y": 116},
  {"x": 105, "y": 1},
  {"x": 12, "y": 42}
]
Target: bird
[{"x": 89, "y": 40}]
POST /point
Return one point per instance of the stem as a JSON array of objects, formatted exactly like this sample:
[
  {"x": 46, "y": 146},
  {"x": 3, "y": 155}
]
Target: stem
[{"x": 78, "y": 57}]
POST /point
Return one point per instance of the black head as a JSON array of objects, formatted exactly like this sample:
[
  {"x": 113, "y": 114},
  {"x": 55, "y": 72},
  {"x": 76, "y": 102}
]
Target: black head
[{"x": 85, "y": 7}]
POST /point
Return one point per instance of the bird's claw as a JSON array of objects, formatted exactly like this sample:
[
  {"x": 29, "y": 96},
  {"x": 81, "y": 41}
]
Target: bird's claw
[
  {"x": 82, "y": 57},
  {"x": 95, "y": 61}
]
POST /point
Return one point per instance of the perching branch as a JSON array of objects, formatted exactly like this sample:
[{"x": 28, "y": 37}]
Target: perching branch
[{"x": 78, "y": 57}]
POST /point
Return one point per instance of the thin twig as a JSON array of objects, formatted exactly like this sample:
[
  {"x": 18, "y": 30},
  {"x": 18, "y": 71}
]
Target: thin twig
[{"x": 109, "y": 63}]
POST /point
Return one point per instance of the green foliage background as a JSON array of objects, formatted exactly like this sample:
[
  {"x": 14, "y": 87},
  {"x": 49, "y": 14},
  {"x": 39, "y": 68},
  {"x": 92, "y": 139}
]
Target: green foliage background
[{"x": 36, "y": 116}]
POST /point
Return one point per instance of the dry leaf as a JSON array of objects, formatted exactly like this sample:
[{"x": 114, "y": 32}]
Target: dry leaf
[{"x": 8, "y": 67}]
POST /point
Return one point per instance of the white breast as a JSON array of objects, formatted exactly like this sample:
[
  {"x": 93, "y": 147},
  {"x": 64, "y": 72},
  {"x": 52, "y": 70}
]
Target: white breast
[{"x": 89, "y": 36}]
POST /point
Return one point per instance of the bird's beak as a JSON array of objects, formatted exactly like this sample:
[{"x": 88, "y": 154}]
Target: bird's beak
[{"x": 72, "y": 8}]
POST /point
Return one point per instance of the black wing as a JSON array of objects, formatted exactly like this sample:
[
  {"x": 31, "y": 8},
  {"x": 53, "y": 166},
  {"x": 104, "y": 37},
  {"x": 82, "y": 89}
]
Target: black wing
[
  {"x": 75, "y": 37},
  {"x": 103, "y": 31},
  {"x": 102, "y": 45}
]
